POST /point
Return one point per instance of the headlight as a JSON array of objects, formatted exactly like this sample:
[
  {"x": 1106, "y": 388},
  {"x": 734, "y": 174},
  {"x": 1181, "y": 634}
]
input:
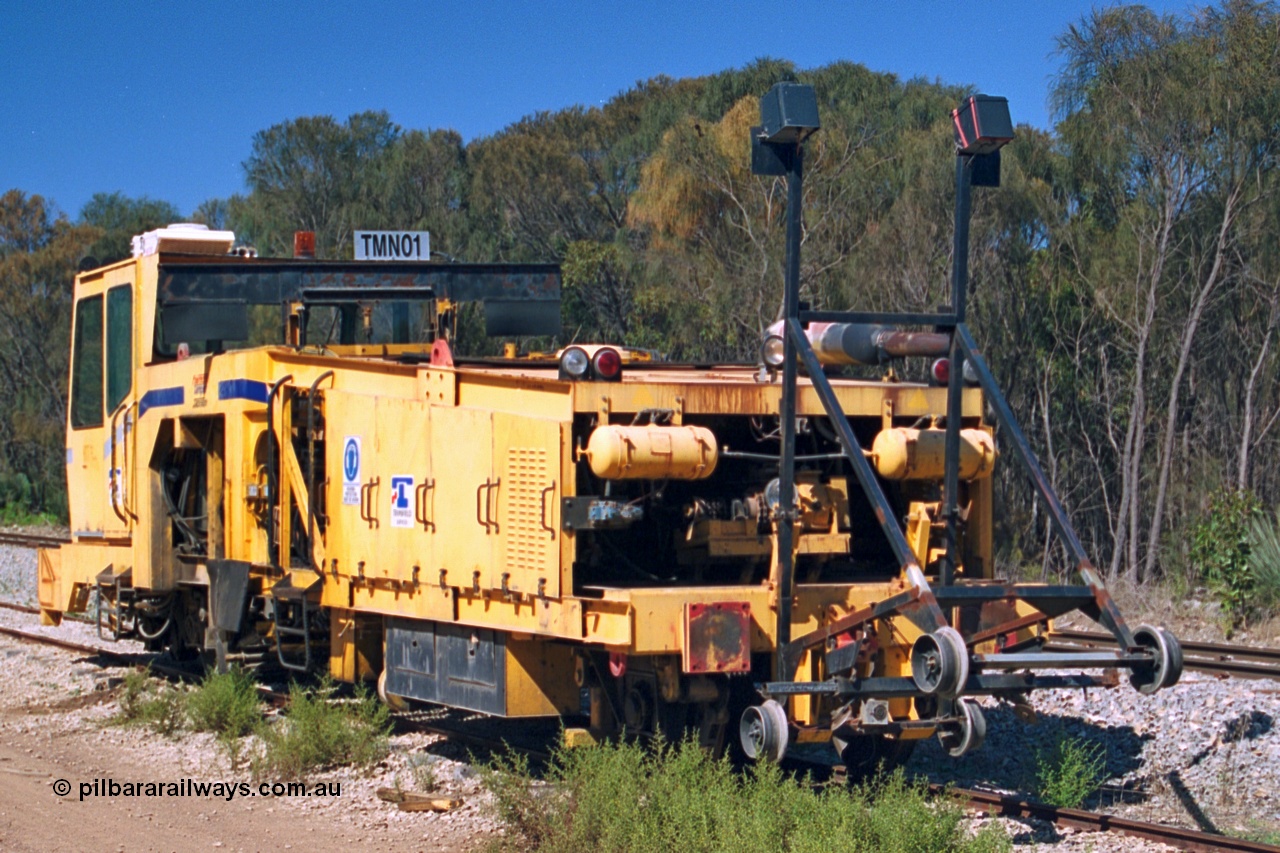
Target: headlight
[
  {"x": 773, "y": 351},
  {"x": 574, "y": 363}
]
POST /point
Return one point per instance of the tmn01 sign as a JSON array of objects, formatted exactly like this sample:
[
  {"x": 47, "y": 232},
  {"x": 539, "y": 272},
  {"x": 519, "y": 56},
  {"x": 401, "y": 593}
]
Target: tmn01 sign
[{"x": 393, "y": 245}]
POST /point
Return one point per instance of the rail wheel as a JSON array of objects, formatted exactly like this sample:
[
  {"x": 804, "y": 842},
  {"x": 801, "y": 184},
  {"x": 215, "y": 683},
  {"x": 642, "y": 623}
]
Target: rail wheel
[
  {"x": 968, "y": 734},
  {"x": 763, "y": 732},
  {"x": 1168, "y": 659},
  {"x": 940, "y": 663},
  {"x": 391, "y": 700},
  {"x": 862, "y": 755}
]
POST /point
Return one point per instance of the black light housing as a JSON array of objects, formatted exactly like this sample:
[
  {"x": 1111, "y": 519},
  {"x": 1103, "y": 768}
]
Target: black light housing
[
  {"x": 789, "y": 113},
  {"x": 982, "y": 124}
]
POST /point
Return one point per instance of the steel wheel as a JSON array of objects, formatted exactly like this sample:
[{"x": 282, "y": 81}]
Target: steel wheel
[
  {"x": 392, "y": 701},
  {"x": 763, "y": 732},
  {"x": 862, "y": 755},
  {"x": 968, "y": 734},
  {"x": 1167, "y": 652},
  {"x": 940, "y": 663}
]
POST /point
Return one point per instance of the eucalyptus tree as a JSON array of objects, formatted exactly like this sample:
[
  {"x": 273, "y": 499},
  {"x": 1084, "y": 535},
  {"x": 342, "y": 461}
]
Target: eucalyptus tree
[
  {"x": 313, "y": 174},
  {"x": 39, "y": 252}
]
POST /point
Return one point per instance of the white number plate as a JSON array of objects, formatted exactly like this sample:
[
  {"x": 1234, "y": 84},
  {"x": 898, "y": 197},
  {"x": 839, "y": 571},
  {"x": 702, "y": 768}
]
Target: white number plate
[{"x": 393, "y": 245}]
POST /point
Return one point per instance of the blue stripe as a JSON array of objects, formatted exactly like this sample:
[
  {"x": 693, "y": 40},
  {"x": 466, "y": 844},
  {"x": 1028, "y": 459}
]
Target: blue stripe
[
  {"x": 242, "y": 389},
  {"x": 161, "y": 397}
]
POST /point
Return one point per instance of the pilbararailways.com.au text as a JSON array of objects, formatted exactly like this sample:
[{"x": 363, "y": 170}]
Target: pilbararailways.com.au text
[{"x": 225, "y": 790}]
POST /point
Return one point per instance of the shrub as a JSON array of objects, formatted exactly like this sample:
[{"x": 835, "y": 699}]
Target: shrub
[
  {"x": 1264, "y": 562},
  {"x": 624, "y": 797},
  {"x": 1070, "y": 772},
  {"x": 315, "y": 732},
  {"x": 1220, "y": 550},
  {"x": 225, "y": 703},
  {"x": 145, "y": 702}
]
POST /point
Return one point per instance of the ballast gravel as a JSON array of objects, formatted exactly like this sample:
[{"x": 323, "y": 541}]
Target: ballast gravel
[{"x": 1204, "y": 754}]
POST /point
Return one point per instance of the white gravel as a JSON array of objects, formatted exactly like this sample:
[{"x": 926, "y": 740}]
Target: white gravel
[
  {"x": 17, "y": 574},
  {"x": 1204, "y": 754}
]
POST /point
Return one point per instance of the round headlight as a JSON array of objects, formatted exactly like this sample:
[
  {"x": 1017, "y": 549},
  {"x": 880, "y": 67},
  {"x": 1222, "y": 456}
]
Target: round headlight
[
  {"x": 607, "y": 364},
  {"x": 574, "y": 362},
  {"x": 773, "y": 351}
]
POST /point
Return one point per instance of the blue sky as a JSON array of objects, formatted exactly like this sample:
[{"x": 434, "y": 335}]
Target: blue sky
[{"x": 163, "y": 99}]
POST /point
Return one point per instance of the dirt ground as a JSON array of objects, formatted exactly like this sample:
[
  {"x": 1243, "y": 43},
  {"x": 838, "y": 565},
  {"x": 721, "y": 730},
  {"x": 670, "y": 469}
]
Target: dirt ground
[{"x": 53, "y": 727}]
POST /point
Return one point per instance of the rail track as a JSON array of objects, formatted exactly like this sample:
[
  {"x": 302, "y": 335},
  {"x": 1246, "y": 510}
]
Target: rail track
[
  {"x": 31, "y": 540},
  {"x": 1223, "y": 659},
  {"x": 1184, "y": 839},
  {"x": 475, "y": 731}
]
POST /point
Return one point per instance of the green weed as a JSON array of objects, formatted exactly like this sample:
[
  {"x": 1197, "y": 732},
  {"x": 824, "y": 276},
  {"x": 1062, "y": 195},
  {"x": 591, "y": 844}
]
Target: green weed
[
  {"x": 314, "y": 732},
  {"x": 147, "y": 702},
  {"x": 624, "y": 797},
  {"x": 1069, "y": 772},
  {"x": 225, "y": 703}
]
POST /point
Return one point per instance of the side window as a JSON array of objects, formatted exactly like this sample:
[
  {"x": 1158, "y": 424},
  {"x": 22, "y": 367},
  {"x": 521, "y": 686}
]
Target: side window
[
  {"x": 119, "y": 344},
  {"x": 86, "y": 370}
]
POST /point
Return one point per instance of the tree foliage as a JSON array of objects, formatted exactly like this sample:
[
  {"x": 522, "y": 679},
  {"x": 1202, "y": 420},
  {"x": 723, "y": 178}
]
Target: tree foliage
[
  {"x": 39, "y": 251},
  {"x": 119, "y": 218},
  {"x": 1125, "y": 284}
]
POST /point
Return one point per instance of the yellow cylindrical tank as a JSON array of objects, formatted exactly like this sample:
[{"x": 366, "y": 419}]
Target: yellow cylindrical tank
[
  {"x": 902, "y": 453},
  {"x": 652, "y": 452}
]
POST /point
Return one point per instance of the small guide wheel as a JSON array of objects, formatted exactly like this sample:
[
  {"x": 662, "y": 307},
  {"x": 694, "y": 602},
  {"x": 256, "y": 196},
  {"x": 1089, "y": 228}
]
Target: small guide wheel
[
  {"x": 763, "y": 731},
  {"x": 1167, "y": 668},
  {"x": 864, "y": 755},
  {"x": 392, "y": 701},
  {"x": 968, "y": 734},
  {"x": 940, "y": 663}
]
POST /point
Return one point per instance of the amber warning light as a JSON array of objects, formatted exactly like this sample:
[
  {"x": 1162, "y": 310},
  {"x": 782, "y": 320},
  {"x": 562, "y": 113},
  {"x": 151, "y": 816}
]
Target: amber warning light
[{"x": 304, "y": 244}]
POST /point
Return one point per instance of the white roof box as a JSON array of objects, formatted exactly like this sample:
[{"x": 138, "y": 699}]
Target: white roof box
[{"x": 188, "y": 238}]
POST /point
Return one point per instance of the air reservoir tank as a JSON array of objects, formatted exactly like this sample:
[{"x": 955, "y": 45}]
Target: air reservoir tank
[
  {"x": 652, "y": 452},
  {"x": 902, "y": 453}
]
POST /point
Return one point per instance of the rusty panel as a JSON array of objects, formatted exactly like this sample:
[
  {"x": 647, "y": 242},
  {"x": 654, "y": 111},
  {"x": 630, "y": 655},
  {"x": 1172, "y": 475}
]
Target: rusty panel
[
  {"x": 737, "y": 393},
  {"x": 717, "y": 637}
]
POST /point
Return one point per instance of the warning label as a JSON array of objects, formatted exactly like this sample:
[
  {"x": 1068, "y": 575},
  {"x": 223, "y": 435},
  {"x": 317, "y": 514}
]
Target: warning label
[{"x": 351, "y": 471}]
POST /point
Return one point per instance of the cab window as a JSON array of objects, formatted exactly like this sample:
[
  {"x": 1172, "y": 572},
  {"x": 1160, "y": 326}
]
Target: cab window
[
  {"x": 119, "y": 344},
  {"x": 86, "y": 369}
]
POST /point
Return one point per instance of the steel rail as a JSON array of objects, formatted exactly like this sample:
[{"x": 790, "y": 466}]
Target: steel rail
[
  {"x": 124, "y": 658},
  {"x": 27, "y": 608},
  {"x": 411, "y": 720},
  {"x": 1002, "y": 805},
  {"x": 32, "y": 540},
  {"x": 1219, "y": 658},
  {"x": 989, "y": 803}
]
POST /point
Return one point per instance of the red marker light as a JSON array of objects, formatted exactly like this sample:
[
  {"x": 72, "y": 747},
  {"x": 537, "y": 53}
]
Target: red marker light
[
  {"x": 607, "y": 364},
  {"x": 941, "y": 371}
]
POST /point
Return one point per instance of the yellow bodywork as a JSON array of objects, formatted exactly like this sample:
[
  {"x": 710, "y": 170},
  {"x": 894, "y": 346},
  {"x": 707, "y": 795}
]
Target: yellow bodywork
[{"x": 443, "y": 499}]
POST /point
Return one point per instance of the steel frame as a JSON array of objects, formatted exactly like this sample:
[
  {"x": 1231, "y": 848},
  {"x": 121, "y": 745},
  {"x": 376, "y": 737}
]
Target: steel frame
[{"x": 920, "y": 603}]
